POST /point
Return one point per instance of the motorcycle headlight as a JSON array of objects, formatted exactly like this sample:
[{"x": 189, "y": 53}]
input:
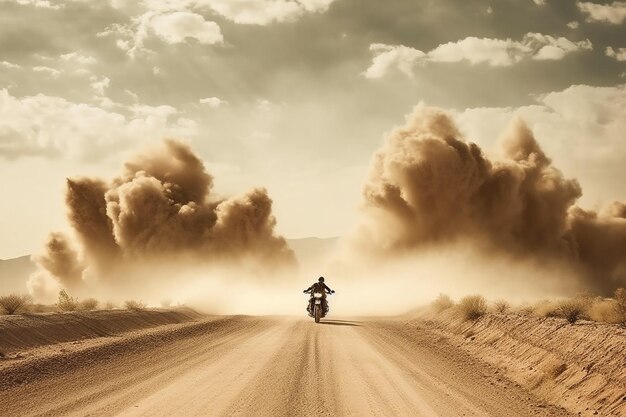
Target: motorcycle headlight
[{"x": 317, "y": 295}]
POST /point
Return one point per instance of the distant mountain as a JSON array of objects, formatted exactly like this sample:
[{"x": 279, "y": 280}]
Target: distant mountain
[
  {"x": 14, "y": 274},
  {"x": 313, "y": 251}
]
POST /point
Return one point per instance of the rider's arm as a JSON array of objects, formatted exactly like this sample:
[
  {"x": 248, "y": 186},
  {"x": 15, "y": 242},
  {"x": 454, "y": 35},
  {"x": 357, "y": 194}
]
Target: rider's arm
[{"x": 328, "y": 288}]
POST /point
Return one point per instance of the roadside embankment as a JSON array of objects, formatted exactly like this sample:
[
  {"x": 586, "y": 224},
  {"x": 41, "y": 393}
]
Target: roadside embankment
[
  {"x": 19, "y": 332},
  {"x": 581, "y": 367}
]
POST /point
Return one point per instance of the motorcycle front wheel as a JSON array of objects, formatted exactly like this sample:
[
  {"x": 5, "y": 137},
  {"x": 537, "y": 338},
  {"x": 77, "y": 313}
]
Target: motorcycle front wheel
[{"x": 317, "y": 312}]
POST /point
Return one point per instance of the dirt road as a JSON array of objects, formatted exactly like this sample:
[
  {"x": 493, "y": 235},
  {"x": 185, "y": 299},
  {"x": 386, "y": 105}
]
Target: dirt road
[{"x": 247, "y": 366}]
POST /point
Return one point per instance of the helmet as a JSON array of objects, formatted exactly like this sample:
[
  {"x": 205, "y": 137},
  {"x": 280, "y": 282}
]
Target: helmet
[{"x": 321, "y": 279}]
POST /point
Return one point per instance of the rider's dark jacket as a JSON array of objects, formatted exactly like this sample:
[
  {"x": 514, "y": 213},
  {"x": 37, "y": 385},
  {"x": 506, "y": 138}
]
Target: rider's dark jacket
[{"x": 319, "y": 287}]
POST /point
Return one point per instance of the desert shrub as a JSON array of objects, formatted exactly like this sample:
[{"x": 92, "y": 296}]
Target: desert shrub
[
  {"x": 573, "y": 309},
  {"x": 526, "y": 309},
  {"x": 134, "y": 305},
  {"x": 620, "y": 305},
  {"x": 501, "y": 306},
  {"x": 66, "y": 302},
  {"x": 14, "y": 303},
  {"x": 472, "y": 307},
  {"x": 442, "y": 303},
  {"x": 89, "y": 304}
]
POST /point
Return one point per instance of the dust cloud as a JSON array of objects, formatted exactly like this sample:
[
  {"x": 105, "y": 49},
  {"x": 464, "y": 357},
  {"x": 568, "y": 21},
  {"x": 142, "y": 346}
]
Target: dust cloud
[
  {"x": 61, "y": 261},
  {"x": 134, "y": 234},
  {"x": 438, "y": 215},
  {"x": 430, "y": 190}
]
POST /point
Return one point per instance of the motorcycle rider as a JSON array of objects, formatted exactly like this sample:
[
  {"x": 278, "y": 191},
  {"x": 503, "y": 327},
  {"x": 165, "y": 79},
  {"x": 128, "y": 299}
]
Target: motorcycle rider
[{"x": 318, "y": 287}]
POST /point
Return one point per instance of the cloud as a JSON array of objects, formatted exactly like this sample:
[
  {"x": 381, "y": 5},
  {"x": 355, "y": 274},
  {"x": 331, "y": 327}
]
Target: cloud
[
  {"x": 256, "y": 12},
  {"x": 55, "y": 127},
  {"x": 9, "y": 65},
  {"x": 250, "y": 12},
  {"x": 493, "y": 52},
  {"x": 573, "y": 24},
  {"x": 265, "y": 106},
  {"x": 157, "y": 112},
  {"x": 132, "y": 95},
  {"x": 45, "y": 4},
  {"x": 212, "y": 102},
  {"x": 78, "y": 57},
  {"x": 428, "y": 187},
  {"x": 551, "y": 48},
  {"x": 619, "y": 55},
  {"x": 99, "y": 84},
  {"x": 159, "y": 209},
  {"x": 177, "y": 27},
  {"x": 539, "y": 2},
  {"x": 51, "y": 72},
  {"x": 172, "y": 27},
  {"x": 173, "y": 22},
  {"x": 613, "y": 13},
  {"x": 393, "y": 56}
]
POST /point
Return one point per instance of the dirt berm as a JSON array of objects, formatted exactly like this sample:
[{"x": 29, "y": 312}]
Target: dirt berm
[
  {"x": 28, "y": 331},
  {"x": 581, "y": 367}
]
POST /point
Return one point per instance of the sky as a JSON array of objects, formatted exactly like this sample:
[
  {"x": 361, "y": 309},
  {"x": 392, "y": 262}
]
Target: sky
[{"x": 295, "y": 95}]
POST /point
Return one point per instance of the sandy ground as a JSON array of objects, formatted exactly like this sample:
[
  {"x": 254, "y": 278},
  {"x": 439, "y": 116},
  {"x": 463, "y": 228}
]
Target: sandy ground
[{"x": 262, "y": 366}]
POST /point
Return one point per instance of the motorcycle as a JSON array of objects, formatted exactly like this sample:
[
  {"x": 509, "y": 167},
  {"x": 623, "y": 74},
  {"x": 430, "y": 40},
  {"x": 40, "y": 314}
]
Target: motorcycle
[{"x": 316, "y": 309}]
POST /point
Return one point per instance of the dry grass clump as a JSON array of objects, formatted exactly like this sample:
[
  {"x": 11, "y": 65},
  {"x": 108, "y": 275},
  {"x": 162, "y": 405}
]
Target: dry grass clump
[
  {"x": 526, "y": 309},
  {"x": 442, "y": 303},
  {"x": 134, "y": 305},
  {"x": 501, "y": 306},
  {"x": 582, "y": 306},
  {"x": 88, "y": 304},
  {"x": 573, "y": 309},
  {"x": 66, "y": 302},
  {"x": 472, "y": 307},
  {"x": 14, "y": 303}
]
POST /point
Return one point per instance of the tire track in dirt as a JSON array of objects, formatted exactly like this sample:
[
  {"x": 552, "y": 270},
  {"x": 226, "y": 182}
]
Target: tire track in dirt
[
  {"x": 278, "y": 367},
  {"x": 116, "y": 375}
]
